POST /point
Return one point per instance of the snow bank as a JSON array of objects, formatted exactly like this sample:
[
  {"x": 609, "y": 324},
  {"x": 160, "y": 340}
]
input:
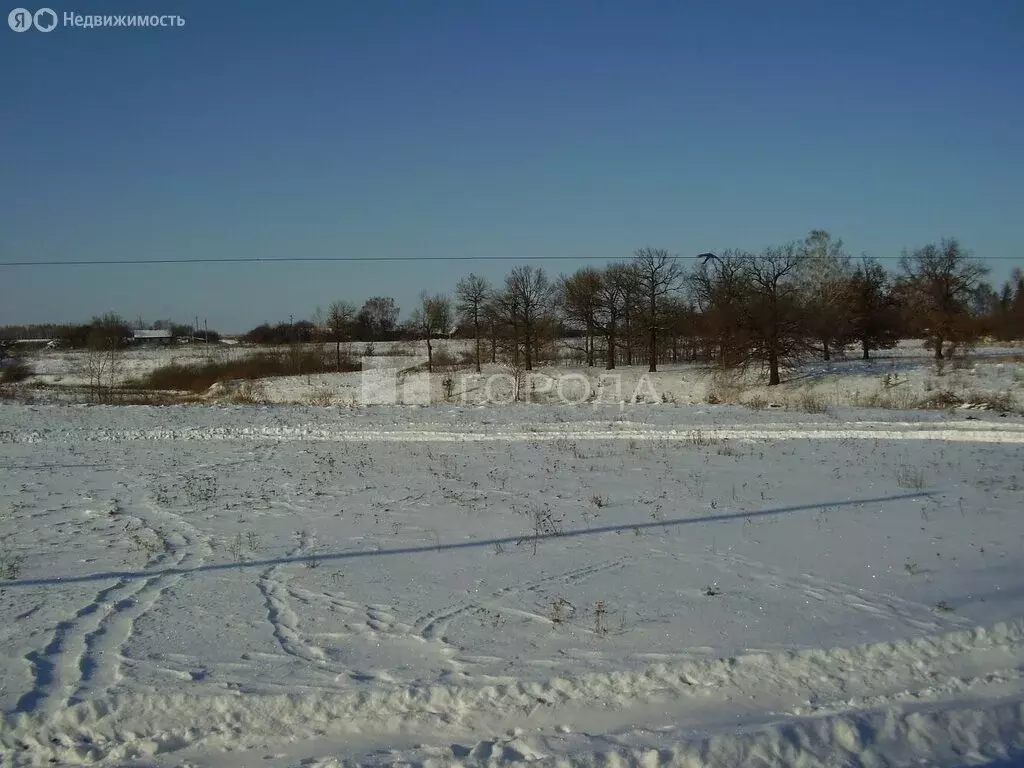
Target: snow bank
[{"x": 139, "y": 726}]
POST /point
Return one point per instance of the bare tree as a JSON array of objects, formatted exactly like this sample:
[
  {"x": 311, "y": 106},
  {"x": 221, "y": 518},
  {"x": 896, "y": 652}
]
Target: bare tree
[
  {"x": 492, "y": 318},
  {"x": 104, "y": 359},
  {"x": 940, "y": 281},
  {"x": 680, "y": 329},
  {"x": 580, "y": 298},
  {"x": 611, "y": 299},
  {"x": 471, "y": 295},
  {"x": 659, "y": 274},
  {"x": 319, "y": 320},
  {"x": 432, "y": 317},
  {"x": 632, "y": 316},
  {"x": 622, "y": 296},
  {"x": 340, "y": 318},
  {"x": 525, "y": 306},
  {"x": 754, "y": 305},
  {"x": 873, "y": 313},
  {"x": 777, "y": 320},
  {"x": 378, "y": 317},
  {"x": 1011, "y": 301},
  {"x": 824, "y": 269},
  {"x": 720, "y": 289},
  {"x": 516, "y": 370},
  {"x": 96, "y": 367},
  {"x": 1003, "y": 325}
]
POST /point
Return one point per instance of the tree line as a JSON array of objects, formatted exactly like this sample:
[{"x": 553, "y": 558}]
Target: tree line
[
  {"x": 100, "y": 331},
  {"x": 774, "y": 309}
]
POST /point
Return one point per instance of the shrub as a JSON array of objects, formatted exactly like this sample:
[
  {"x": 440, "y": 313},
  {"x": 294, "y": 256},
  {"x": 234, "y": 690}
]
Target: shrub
[
  {"x": 320, "y": 396},
  {"x": 757, "y": 403},
  {"x": 249, "y": 393},
  {"x": 199, "y": 378},
  {"x": 445, "y": 360},
  {"x": 448, "y": 382},
  {"x": 999, "y": 401},
  {"x": 724, "y": 387},
  {"x": 812, "y": 402},
  {"x": 403, "y": 349},
  {"x": 14, "y": 373},
  {"x": 940, "y": 400}
]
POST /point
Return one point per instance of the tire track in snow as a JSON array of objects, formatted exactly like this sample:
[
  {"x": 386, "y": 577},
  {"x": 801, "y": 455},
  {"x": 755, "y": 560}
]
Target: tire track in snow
[
  {"x": 100, "y": 664},
  {"x": 431, "y": 626},
  {"x": 283, "y": 620},
  {"x": 59, "y": 668},
  {"x": 376, "y": 623},
  {"x": 286, "y": 625},
  {"x": 828, "y": 590},
  {"x": 85, "y": 652}
]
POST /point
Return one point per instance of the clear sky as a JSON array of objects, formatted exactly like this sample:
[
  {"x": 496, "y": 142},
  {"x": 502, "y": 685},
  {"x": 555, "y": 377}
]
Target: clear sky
[{"x": 525, "y": 128}]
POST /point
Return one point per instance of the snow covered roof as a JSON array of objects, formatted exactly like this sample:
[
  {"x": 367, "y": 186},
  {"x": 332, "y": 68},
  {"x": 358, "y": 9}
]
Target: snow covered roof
[{"x": 152, "y": 334}]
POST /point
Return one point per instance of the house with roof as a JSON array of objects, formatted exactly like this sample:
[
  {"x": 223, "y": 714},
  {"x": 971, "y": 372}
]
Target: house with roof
[{"x": 151, "y": 336}]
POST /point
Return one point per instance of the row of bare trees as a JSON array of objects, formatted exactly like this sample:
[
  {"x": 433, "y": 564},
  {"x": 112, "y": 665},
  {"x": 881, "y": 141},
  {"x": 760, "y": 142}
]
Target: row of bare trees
[{"x": 774, "y": 309}]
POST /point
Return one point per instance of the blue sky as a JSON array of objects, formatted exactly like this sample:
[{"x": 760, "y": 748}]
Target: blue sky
[{"x": 504, "y": 129}]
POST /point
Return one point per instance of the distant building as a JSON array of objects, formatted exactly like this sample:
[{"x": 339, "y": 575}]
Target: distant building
[{"x": 150, "y": 336}]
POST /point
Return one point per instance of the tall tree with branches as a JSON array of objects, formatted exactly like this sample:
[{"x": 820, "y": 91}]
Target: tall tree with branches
[
  {"x": 432, "y": 317},
  {"x": 579, "y": 295},
  {"x": 824, "y": 269},
  {"x": 471, "y": 295},
  {"x": 659, "y": 274},
  {"x": 378, "y": 317},
  {"x": 340, "y": 317},
  {"x": 611, "y": 306},
  {"x": 1015, "y": 325},
  {"x": 777, "y": 320},
  {"x": 492, "y": 318},
  {"x": 754, "y": 302},
  {"x": 940, "y": 281},
  {"x": 525, "y": 306},
  {"x": 721, "y": 289},
  {"x": 872, "y": 309}
]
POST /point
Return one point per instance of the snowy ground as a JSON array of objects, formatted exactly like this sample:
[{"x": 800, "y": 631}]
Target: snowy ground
[
  {"x": 670, "y": 584},
  {"x": 67, "y": 367},
  {"x": 902, "y": 378}
]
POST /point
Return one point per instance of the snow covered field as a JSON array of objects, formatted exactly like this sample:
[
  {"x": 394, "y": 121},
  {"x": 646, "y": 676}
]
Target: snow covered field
[
  {"x": 590, "y": 585},
  {"x": 900, "y": 378}
]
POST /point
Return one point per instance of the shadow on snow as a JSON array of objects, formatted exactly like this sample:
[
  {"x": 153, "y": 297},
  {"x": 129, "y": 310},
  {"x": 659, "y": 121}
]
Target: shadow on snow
[{"x": 323, "y": 557}]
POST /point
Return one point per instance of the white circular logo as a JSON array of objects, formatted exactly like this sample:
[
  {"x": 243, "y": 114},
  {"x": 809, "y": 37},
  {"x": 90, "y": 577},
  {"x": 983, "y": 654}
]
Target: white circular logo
[
  {"x": 20, "y": 20},
  {"x": 45, "y": 19}
]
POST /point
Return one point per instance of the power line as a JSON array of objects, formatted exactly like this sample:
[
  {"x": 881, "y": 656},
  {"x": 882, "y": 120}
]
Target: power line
[{"x": 364, "y": 259}]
